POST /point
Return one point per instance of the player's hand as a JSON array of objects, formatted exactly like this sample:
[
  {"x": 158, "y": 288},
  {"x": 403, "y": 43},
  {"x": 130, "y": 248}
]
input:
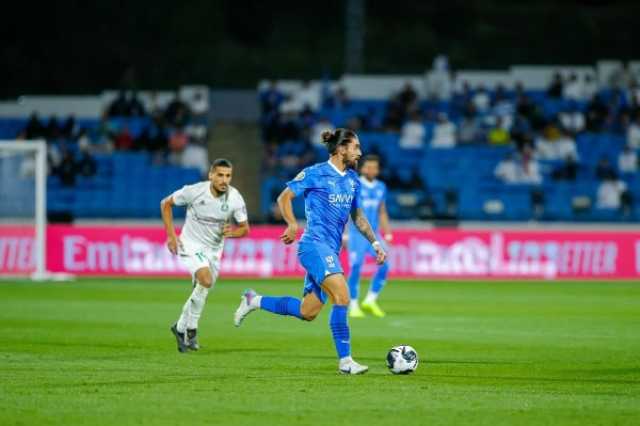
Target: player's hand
[
  {"x": 227, "y": 231},
  {"x": 289, "y": 235},
  {"x": 381, "y": 255},
  {"x": 173, "y": 244}
]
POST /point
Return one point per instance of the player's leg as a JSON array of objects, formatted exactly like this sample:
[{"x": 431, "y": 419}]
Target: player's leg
[
  {"x": 203, "y": 279},
  {"x": 335, "y": 286},
  {"x": 307, "y": 309},
  {"x": 356, "y": 260},
  {"x": 370, "y": 303}
]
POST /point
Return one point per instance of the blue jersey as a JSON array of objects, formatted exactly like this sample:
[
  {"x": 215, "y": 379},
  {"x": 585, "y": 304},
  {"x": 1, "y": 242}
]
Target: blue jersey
[
  {"x": 329, "y": 197},
  {"x": 372, "y": 195}
]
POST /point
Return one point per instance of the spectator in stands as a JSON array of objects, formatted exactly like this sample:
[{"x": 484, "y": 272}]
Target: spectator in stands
[
  {"x": 604, "y": 169},
  {"x": 200, "y": 105},
  {"x": 503, "y": 107},
  {"x": 572, "y": 119},
  {"x": 270, "y": 99},
  {"x": 521, "y": 132},
  {"x": 153, "y": 104},
  {"x": 124, "y": 140},
  {"x": 481, "y": 99},
  {"x": 439, "y": 80},
  {"x": 610, "y": 193},
  {"x": 469, "y": 130},
  {"x": 589, "y": 87},
  {"x": 394, "y": 116},
  {"x": 597, "y": 113},
  {"x": 633, "y": 132},
  {"x": 507, "y": 170},
  {"x": 68, "y": 129},
  {"x": 408, "y": 98},
  {"x": 177, "y": 113},
  {"x": 555, "y": 89},
  {"x": 628, "y": 160},
  {"x": 444, "y": 133},
  {"x": 555, "y": 144},
  {"x": 413, "y": 132},
  {"x": 523, "y": 170},
  {"x": 178, "y": 141},
  {"x": 498, "y": 135},
  {"x": 529, "y": 171},
  {"x": 67, "y": 169},
  {"x": 34, "y": 128},
  {"x": 568, "y": 171},
  {"x": 288, "y": 125},
  {"x": 85, "y": 165},
  {"x": 530, "y": 111},
  {"x": 52, "y": 130},
  {"x": 120, "y": 106},
  {"x": 134, "y": 106},
  {"x": 572, "y": 89}
]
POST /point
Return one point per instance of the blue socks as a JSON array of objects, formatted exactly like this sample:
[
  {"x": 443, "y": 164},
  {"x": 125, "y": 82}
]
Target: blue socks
[
  {"x": 337, "y": 320},
  {"x": 281, "y": 305},
  {"x": 379, "y": 279},
  {"x": 340, "y": 330}
]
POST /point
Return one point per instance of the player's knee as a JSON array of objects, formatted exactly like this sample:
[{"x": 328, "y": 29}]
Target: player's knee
[
  {"x": 341, "y": 299},
  {"x": 308, "y": 316},
  {"x": 205, "y": 280}
]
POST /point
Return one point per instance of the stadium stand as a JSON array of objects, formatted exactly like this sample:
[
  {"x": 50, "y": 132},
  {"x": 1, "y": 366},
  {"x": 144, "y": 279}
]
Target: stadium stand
[
  {"x": 554, "y": 138},
  {"x": 122, "y": 164}
]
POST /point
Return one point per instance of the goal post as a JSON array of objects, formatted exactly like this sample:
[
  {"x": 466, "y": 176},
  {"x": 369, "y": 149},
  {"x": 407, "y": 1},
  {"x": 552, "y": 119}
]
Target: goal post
[{"x": 23, "y": 210}]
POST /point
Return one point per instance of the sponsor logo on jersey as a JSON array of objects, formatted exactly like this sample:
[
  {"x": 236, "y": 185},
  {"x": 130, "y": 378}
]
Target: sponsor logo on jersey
[{"x": 340, "y": 198}]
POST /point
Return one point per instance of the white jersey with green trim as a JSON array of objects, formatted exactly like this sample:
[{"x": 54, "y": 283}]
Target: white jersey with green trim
[{"x": 206, "y": 214}]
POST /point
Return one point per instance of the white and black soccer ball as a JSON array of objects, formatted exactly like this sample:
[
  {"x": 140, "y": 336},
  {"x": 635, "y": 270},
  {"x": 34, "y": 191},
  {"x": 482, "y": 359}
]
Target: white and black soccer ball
[{"x": 402, "y": 359}]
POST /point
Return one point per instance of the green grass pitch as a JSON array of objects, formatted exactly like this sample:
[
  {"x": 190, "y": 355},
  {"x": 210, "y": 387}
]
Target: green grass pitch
[{"x": 100, "y": 352}]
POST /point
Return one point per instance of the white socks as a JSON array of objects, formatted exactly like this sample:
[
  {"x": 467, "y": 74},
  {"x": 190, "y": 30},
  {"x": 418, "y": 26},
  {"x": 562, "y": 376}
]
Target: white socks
[
  {"x": 371, "y": 297},
  {"x": 345, "y": 361},
  {"x": 192, "y": 309},
  {"x": 353, "y": 304}
]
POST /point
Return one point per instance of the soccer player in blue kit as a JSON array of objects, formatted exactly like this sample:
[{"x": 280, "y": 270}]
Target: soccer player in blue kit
[
  {"x": 372, "y": 196},
  {"x": 331, "y": 193}
]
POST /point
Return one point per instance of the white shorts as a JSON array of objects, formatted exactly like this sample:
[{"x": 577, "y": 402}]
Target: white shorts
[{"x": 195, "y": 259}]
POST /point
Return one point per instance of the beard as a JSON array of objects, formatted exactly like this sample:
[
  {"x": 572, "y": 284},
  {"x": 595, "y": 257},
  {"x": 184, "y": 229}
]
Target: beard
[{"x": 353, "y": 164}]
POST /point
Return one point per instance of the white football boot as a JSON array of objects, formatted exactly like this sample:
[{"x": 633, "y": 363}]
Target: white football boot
[
  {"x": 349, "y": 366},
  {"x": 249, "y": 302}
]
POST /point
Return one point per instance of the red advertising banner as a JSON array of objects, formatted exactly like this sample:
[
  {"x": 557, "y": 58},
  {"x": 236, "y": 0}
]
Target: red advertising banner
[{"x": 139, "y": 250}]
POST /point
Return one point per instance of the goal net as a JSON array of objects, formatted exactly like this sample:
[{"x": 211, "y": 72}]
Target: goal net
[{"x": 23, "y": 217}]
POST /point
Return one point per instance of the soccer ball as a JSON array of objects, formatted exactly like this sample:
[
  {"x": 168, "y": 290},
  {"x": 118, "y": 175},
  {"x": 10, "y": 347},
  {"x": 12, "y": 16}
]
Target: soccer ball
[{"x": 402, "y": 359}]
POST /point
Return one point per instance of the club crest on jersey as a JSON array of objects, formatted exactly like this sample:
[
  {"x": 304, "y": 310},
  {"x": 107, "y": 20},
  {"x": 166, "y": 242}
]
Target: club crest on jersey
[
  {"x": 299, "y": 176},
  {"x": 224, "y": 207},
  {"x": 353, "y": 184}
]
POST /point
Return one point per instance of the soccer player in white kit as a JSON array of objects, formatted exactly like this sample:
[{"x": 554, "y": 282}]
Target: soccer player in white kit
[{"x": 210, "y": 207}]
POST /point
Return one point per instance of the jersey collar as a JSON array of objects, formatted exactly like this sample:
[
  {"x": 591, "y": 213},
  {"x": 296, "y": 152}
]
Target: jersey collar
[
  {"x": 336, "y": 169},
  {"x": 368, "y": 184}
]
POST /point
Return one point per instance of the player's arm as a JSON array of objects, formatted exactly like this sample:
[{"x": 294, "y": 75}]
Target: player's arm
[
  {"x": 286, "y": 209},
  {"x": 241, "y": 230},
  {"x": 384, "y": 222},
  {"x": 363, "y": 225},
  {"x": 166, "y": 211}
]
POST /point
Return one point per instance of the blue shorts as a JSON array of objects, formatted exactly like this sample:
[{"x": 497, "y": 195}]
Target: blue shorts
[{"x": 320, "y": 261}]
